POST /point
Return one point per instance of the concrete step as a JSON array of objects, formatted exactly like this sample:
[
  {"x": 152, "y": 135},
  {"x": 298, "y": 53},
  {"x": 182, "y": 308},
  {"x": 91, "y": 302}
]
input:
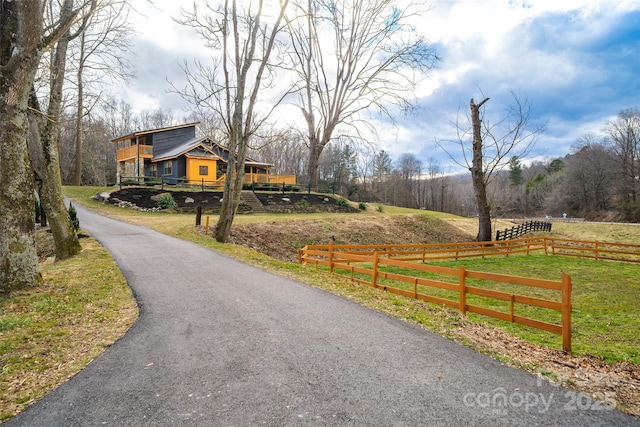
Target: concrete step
[{"x": 251, "y": 200}]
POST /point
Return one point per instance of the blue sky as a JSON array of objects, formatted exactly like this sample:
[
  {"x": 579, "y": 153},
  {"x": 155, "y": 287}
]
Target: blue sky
[{"x": 577, "y": 61}]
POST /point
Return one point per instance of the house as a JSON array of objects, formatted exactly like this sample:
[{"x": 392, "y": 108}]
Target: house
[{"x": 183, "y": 154}]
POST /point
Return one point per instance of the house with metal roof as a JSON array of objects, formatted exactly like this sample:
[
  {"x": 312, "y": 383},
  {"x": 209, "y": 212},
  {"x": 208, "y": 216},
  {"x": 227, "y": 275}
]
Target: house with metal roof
[{"x": 183, "y": 154}]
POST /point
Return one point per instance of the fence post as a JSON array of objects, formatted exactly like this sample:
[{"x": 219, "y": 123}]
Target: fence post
[
  {"x": 300, "y": 254},
  {"x": 374, "y": 276},
  {"x": 597, "y": 251},
  {"x": 463, "y": 290},
  {"x": 331, "y": 256},
  {"x": 566, "y": 313},
  {"x": 198, "y": 215},
  {"x": 206, "y": 227}
]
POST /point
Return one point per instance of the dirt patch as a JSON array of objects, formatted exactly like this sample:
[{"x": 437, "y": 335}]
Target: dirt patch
[
  {"x": 282, "y": 239},
  {"x": 616, "y": 385}
]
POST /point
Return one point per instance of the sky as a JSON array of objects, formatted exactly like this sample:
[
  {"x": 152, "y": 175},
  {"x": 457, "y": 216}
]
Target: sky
[{"x": 576, "y": 61}]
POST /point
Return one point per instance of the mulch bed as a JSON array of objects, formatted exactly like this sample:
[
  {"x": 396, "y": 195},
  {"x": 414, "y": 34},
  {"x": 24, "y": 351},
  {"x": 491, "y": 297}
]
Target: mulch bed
[{"x": 143, "y": 198}]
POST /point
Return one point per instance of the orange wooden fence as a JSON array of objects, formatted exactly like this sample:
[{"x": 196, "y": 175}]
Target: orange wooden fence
[
  {"x": 366, "y": 264},
  {"x": 627, "y": 252}
]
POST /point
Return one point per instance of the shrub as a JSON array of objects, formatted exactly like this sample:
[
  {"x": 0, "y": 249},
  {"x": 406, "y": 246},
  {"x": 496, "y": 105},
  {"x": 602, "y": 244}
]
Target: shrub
[
  {"x": 73, "y": 214},
  {"x": 380, "y": 208},
  {"x": 343, "y": 202},
  {"x": 362, "y": 206},
  {"x": 303, "y": 203},
  {"x": 166, "y": 201}
]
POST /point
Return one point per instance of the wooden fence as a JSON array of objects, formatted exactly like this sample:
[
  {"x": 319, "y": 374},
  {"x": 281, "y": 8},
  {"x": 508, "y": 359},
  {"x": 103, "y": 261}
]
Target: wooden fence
[
  {"x": 627, "y": 252},
  {"x": 522, "y": 229},
  {"x": 375, "y": 268},
  {"x": 367, "y": 264}
]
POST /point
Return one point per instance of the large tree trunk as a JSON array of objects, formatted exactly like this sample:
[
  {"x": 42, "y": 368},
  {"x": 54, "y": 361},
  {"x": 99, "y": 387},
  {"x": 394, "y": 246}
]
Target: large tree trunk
[
  {"x": 478, "y": 175},
  {"x": 52, "y": 199},
  {"x": 230, "y": 200},
  {"x": 314, "y": 160},
  {"x": 233, "y": 181},
  {"x": 20, "y": 30}
]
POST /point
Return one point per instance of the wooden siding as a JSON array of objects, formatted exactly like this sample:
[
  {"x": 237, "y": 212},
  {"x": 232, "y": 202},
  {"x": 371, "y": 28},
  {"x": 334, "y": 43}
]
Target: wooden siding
[{"x": 193, "y": 170}]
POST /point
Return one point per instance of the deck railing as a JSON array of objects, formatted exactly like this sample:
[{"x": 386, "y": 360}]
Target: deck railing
[{"x": 134, "y": 151}]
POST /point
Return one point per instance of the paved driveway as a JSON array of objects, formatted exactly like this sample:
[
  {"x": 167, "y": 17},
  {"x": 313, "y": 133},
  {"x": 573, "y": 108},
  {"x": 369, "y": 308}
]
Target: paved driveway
[{"x": 224, "y": 344}]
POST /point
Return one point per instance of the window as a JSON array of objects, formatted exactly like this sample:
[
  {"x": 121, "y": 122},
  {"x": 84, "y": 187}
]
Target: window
[
  {"x": 204, "y": 170},
  {"x": 167, "y": 167},
  {"x": 153, "y": 170}
]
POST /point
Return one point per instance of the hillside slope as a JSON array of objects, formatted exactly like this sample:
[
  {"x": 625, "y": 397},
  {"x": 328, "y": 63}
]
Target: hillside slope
[{"x": 282, "y": 239}]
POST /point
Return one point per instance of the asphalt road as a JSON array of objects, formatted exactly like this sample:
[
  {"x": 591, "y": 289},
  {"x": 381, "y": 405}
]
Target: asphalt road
[{"x": 220, "y": 343}]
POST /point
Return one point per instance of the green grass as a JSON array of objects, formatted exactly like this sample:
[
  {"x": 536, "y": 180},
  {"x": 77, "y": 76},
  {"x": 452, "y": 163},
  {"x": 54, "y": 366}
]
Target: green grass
[{"x": 605, "y": 315}]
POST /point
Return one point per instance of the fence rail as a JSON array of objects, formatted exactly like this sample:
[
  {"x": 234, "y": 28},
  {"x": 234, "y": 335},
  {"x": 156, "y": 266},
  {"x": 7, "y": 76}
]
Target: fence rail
[
  {"x": 610, "y": 251},
  {"x": 366, "y": 265}
]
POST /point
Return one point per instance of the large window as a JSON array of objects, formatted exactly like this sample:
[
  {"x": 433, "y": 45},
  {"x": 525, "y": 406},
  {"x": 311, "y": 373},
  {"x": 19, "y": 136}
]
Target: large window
[
  {"x": 167, "y": 167},
  {"x": 204, "y": 170}
]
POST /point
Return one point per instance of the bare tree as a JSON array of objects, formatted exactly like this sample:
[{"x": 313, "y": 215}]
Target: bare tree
[
  {"x": 23, "y": 40},
  {"x": 410, "y": 169},
  {"x": 98, "y": 55},
  {"x": 281, "y": 148},
  {"x": 382, "y": 167},
  {"x": 158, "y": 118},
  {"x": 624, "y": 139},
  {"x": 245, "y": 37},
  {"x": 436, "y": 186},
  {"x": 491, "y": 146},
  {"x": 378, "y": 58},
  {"x": 49, "y": 122}
]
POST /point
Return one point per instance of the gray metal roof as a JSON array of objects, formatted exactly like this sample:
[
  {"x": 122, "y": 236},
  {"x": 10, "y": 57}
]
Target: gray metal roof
[{"x": 178, "y": 150}]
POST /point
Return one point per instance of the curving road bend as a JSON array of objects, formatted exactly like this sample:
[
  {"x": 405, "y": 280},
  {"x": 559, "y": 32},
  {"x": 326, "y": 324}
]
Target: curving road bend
[{"x": 220, "y": 343}]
